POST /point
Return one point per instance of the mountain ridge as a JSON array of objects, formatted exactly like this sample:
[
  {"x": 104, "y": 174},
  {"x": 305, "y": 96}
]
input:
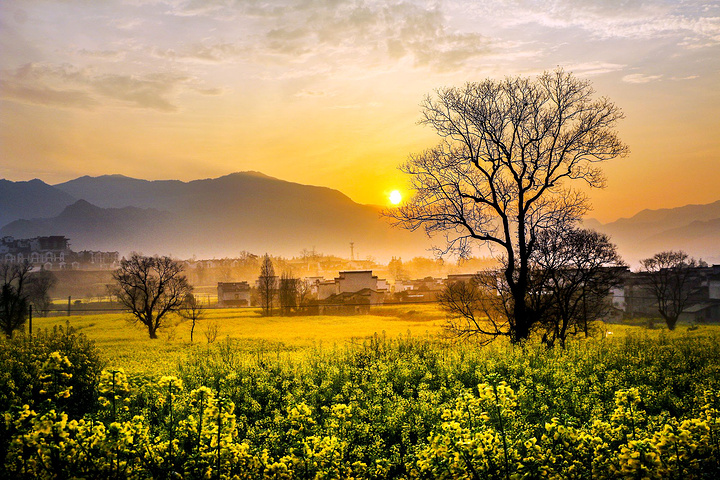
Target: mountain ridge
[
  {"x": 220, "y": 217},
  {"x": 693, "y": 228},
  {"x": 256, "y": 212},
  {"x": 30, "y": 199}
]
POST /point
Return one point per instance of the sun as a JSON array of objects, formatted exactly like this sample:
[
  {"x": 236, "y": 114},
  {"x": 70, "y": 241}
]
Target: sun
[{"x": 395, "y": 197}]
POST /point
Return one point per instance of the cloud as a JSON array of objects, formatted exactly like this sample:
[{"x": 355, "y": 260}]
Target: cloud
[
  {"x": 371, "y": 33},
  {"x": 69, "y": 86},
  {"x": 312, "y": 94},
  {"x": 110, "y": 55},
  {"x": 148, "y": 92},
  {"x": 593, "y": 68},
  {"x": 200, "y": 52},
  {"x": 640, "y": 78},
  {"x": 693, "y": 22},
  {"x": 43, "y": 95}
]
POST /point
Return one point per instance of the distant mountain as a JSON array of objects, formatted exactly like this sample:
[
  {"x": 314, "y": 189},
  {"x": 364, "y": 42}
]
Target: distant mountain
[
  {"x": 93, "y": 228},
  {"x": 220, "y": 217},
  {"x": 117, "y": 191},
  {"x": 692, "y": 228},
  {"x": 33, "y": 199}
]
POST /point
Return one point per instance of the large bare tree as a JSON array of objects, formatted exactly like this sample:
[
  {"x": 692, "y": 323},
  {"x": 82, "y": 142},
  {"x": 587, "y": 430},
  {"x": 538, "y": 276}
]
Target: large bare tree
[
  {"x": 670, "y": 276},
  {"x": 150, "y": 288},
  {"x": 501, "y": 171}
]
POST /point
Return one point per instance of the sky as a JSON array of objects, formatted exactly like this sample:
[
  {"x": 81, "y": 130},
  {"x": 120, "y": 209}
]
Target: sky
[{"x": 327, "y": 92}]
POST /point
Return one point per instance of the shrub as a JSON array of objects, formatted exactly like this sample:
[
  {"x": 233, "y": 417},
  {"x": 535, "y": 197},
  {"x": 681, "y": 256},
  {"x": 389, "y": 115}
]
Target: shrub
[{"x": 57, "y": 368}]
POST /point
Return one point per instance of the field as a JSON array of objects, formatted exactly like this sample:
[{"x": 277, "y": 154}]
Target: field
[
  {"x": 128, "y": 346},
  {"x": 369, "y": 396}
]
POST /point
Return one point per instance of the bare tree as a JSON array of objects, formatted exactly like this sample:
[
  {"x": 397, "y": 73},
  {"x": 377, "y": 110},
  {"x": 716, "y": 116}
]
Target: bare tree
[
  {"x": 499, "y": 175},
  {"x": 474, "y": 309},
  {"x": 39, "y": 286},
  {"x": 13, "y": 296},
  {"x": 191, "y": 309},
  {"x": 396, "y": 269},
  {"x": 574, "y": 270},
  {"x": 267, "y": 285},
  {"x": 670, "y": 274},
  {"x": 288, "y": 293},
  {"x": 150, "y": 288}
]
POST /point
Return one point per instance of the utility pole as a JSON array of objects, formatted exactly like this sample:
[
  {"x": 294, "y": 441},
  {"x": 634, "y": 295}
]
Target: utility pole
[{"x": 352, "y": 251}]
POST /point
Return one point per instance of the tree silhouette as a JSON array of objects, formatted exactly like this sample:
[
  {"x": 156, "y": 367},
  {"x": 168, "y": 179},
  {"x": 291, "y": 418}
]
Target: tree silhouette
[
  {"x": 670, "y": 276},
  {"x": 14, "y": 302},
  {"x": 39, "y": 286},
  {"x": 150, "y": 288},
  {"x": 267, "y": 285},
  {"x": 288, "y": 293},
  {"x": 498, "y": 177},
  {"x": 573, "y": 272},
  {"x": 191, "y": 309}
]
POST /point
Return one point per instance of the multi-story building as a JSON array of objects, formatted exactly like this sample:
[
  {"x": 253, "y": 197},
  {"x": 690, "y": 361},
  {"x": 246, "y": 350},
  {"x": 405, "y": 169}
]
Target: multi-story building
[{"x": 54, "y": 253}]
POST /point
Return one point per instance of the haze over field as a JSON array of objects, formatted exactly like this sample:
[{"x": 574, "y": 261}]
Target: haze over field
[{"x": 327, "y": 92}]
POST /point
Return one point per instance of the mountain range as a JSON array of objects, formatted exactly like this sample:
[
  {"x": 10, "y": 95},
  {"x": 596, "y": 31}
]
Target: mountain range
[
  {"x": 254, "y": 212},
  {"x": 207, "y": 218},
  {"x": 694, "y": 229}
]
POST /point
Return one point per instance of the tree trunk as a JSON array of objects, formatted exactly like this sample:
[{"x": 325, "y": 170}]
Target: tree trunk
[
  {"x": 671, "y": 321},
  {"x": 522, "y": 323},
  {"x": 152, "y": 331}
]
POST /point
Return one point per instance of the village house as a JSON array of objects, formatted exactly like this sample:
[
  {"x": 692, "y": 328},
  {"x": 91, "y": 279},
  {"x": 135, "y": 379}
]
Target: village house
[
  {"x": 460, "y": 277},
  {"x": 634, "y": 296},
  {"x": 323, "y": 289},
  {"x": 356, "y": 280},
  {"x": 351, "y": 303},
  {"x": 419, "y": 290},
  {"x": 350, "y": 287},
  {"x": 233, "y": 294}
]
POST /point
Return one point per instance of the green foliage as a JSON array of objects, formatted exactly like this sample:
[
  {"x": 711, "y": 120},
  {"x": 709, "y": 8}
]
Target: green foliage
[
  {"x": 631, "y": 407},
  {"x": 59, "y": 366}
]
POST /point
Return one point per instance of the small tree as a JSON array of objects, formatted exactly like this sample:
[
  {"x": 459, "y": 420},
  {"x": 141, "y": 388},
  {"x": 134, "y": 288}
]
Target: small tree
[
  {"x": 574, "y": 270},
  {"x": 473, "y": 309},
  {"x": 670, "y": 277},
  {"x": 288, "y": 293},
  {"x": 396, "y": 270},
  {"x": 267, "y": 285},
  {"x": 39, "y": 286},
  {"x": 13, "y": 296},
  {"x": 191, "y": 309},
  {"x": 150, "y": 288}
]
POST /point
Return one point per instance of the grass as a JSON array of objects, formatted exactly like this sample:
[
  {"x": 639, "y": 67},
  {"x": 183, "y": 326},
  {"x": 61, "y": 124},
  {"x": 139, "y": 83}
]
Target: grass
[{"x": 127, "y": 345}]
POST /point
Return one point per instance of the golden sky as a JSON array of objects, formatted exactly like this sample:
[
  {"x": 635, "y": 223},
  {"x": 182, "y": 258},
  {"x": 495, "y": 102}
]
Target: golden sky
[{"x": 327, "y": 92}]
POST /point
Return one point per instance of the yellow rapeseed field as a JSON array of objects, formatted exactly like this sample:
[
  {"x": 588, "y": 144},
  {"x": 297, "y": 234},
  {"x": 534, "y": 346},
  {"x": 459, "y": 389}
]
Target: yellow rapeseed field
[{"x": 127, "y": 345}]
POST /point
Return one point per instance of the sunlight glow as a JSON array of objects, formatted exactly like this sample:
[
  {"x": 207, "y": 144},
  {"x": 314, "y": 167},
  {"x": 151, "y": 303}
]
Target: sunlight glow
[{"x": 395, "y": 197}]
